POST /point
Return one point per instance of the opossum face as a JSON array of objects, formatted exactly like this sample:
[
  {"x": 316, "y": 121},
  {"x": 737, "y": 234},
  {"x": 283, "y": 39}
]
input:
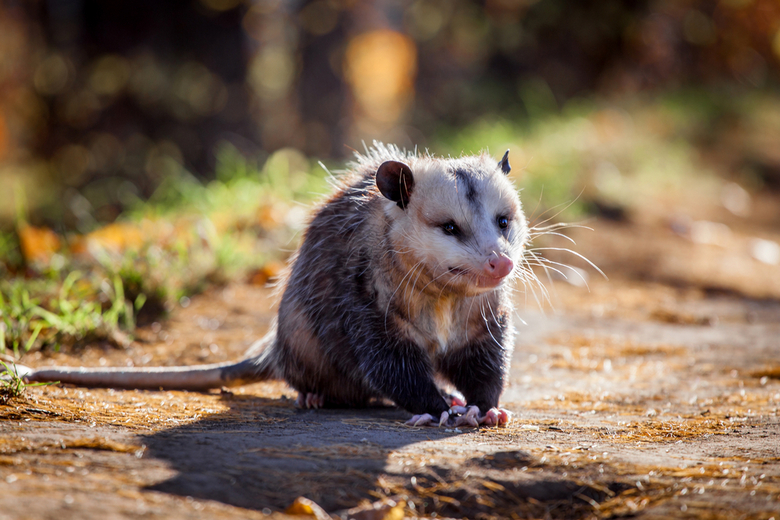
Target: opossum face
[{"x": 458, "y": 222}]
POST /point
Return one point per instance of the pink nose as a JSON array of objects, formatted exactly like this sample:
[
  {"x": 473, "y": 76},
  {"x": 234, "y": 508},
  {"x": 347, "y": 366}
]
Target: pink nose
[{"x": 498, "y": 266}]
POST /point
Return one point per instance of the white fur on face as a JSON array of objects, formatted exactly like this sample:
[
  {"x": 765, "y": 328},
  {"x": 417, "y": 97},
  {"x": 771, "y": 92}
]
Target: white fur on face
[{"x": 471, "y": 193}]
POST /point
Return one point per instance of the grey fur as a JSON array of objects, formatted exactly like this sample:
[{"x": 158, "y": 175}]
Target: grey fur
[{"x": 378, "y": 301}]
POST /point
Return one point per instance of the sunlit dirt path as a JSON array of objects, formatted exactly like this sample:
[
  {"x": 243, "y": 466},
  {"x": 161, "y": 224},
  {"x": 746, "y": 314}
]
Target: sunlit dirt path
[{"x": 652, "y": 395}]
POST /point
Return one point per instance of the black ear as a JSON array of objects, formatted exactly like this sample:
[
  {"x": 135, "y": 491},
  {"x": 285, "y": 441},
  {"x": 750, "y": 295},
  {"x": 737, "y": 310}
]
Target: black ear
[
  {"x": 395, "y": 181},
  {"x": 504, "y": 164}
]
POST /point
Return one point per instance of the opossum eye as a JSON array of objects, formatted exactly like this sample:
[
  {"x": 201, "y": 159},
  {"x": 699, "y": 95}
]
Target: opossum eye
[
  {"x": 450, "y": 228},
  {"x": 502, "y": 222}
]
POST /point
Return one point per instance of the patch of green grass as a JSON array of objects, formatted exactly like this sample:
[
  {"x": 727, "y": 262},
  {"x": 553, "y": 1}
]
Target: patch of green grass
[
  {"x": 187, "y": 236},
  {"x": 219, "y": 231},
  {"x": 12, "y": 385},
  {"x": 51, "y": 311},
  {"x": 240, "y": 186}
]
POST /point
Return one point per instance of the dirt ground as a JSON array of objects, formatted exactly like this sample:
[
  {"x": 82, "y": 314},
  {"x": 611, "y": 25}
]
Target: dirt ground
[{"x": 653, "y": 394}]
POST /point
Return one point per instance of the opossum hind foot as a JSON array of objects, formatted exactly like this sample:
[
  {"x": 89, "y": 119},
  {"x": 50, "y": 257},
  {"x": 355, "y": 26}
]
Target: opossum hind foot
[{"x": 309, "y": 400}]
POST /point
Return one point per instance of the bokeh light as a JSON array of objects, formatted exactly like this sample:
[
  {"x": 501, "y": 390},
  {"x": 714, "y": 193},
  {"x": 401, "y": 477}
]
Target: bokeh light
[{"x": 101, "y": 102}]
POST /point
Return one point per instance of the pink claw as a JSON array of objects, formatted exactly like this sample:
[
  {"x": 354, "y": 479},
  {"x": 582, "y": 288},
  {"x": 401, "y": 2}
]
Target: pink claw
[
  {"x": 420, "y": 420},
  {"x": 427, "y": 419},
  {"x": 496, "y": 417}
]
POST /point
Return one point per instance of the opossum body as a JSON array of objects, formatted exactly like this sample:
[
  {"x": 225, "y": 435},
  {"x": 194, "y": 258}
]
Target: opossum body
[{"x": 402, "y": 277}]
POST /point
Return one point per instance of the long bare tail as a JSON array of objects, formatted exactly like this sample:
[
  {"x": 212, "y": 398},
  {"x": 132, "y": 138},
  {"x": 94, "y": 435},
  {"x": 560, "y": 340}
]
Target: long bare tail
[{"x": 257, "y": 367}]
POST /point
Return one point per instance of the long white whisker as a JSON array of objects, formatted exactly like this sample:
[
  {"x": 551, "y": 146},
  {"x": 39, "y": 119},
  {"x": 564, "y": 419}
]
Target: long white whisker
[
  {"x": 594, "y": 266},
  {"x": 495, "y": 320},
  {"x": 559, "y": 225},
  {"x": 553, "y": 233},
  {"x": 572, "y": 269},
  {"x": 532, "y": 278},
  {"x": 567, "y": 206},
  {"x": 392, "y": 296}
]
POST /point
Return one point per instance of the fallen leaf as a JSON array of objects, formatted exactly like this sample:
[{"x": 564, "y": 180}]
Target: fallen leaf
[
  {"x": 302, "y": 506},
  {"x": 37, "y": 244}
]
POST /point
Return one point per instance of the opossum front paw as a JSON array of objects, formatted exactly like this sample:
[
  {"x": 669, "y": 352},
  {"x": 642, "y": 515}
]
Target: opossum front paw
[
  {"x": 309, "y": 400},
  {"x": 427, "y": 419},
  {"x": 467, "y": 416},
  {"x": 471, "y": 416},
  {"x": 496, "y": 417}
]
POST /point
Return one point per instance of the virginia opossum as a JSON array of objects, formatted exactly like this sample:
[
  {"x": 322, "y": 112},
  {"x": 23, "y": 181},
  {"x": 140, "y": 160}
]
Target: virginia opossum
[{"x": 403, "y": 276}]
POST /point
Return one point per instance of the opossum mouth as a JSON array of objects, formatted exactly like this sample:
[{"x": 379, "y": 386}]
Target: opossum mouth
[{"x": 476, "y": 279}]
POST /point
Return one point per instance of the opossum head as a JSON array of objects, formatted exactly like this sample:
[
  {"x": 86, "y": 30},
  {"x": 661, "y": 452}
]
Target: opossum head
[{"x": 457, "y": 224}]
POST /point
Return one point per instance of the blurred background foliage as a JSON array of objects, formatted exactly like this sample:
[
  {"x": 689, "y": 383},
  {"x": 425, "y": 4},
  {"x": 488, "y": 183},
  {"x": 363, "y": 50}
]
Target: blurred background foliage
[
  {"x": 160, "y": 145},
  {"x": 102, "y": 102}
]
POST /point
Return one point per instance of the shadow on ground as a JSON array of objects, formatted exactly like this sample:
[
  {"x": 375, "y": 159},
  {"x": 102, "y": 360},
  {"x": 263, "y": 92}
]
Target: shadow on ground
[{"x": 262, "y": 454}]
